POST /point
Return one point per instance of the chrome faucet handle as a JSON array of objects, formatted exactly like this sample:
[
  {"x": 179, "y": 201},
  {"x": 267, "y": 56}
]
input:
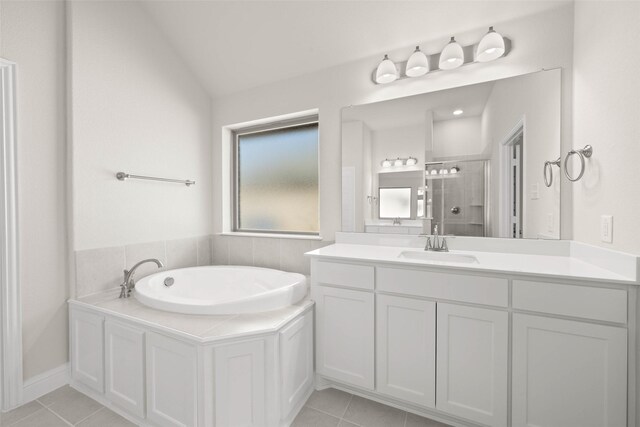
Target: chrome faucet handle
[{"x": 444, "y": 246}]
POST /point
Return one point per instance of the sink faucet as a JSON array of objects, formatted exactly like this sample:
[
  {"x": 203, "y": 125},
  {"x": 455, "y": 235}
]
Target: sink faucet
[
  {"x": 396, "y": 221},
  {"x": 437, "y": 246},
  {"x": 128, "y": 284}
]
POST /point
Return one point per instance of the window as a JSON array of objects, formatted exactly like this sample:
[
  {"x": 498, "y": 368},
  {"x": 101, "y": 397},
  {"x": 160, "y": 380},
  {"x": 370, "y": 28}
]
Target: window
[{"x": 276, "y": 178}]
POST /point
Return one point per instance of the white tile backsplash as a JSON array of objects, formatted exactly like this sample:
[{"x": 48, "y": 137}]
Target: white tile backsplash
[
  {"x": 282, "y": 254},
  {"x": 100, "y": 269},
  {"x": 182, "y": 253}
]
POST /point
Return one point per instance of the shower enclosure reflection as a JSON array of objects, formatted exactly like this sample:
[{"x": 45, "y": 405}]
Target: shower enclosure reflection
[{"x": 468, "y": 159}]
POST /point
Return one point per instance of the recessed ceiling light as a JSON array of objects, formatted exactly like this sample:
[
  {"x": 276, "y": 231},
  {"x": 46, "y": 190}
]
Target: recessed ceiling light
[{"x": 457, "y": 112}]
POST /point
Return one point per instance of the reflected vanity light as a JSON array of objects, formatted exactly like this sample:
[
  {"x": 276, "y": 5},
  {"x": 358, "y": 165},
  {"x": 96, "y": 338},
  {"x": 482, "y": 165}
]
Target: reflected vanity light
[
  {"x": 491, "y": 47},
  {"x": 454, "y": 169},
  {"x": 399, "y": 161},
  {"x": 434, "y": 172}
]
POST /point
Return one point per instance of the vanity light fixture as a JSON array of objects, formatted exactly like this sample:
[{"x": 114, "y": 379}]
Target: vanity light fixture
[
  {"x": 490, "y": 47},
  {"x": 452, "y": 56},
  {"x": 457, "y": 112},
  {"x": 411, "y": 161},
  {"x": 387, "y": 71},
  {"x": 418, "y": 64},
  {"x": 454, "y": 169},
  {"x": 398, "y": 162},
  {"x": 434, "y": 172},
  {"x": 386, "y": 163}
]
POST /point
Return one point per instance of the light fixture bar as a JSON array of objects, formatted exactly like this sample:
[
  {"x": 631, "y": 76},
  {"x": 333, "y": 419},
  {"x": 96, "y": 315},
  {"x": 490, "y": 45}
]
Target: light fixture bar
[{"x": 434, "y": 60}]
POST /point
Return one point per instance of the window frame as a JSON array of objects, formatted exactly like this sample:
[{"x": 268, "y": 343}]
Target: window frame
[{"x": 235, "y": 188}]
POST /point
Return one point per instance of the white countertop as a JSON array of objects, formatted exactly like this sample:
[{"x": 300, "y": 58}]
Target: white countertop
[
  {"x": 197, "y": 328},
  {"x": 550, "y": 266}
]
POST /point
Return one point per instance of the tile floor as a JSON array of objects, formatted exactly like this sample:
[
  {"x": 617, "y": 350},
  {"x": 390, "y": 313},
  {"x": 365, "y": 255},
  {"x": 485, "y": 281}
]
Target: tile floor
[
  {"x": 62, "y": 408},
  {"x": 327, "y": 408},
  {"x": 335, "y": 408}
]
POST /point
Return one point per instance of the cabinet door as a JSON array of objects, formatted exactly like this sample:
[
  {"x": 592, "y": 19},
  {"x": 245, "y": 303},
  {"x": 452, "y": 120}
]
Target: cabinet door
[
  {"x": 296, "y": 362},
  {"x": 124, "y": 366},
  {"x": 472, "y": 355},
  {"x": 87, "y": 351},
  {"x": 171, "y": 381},
  {"x": 345, "y": 335},
  {"x": 568, "y": 374},
  {"x": 406, "y": 349},
  {"x": 240, "y": 384}
]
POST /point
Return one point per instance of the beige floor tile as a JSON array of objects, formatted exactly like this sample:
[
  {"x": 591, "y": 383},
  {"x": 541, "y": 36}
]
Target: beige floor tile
[
  {"x": 42, "y": 418},
  {"x": 309, "y": 417},
  {"x": 106, "y": 417},
  {"x": 330, "y": 400},
  {"x": 70, "y": 404},
  {"x": 344, "y": 423},
  {"x": 418, "y": 421},
  {"x": 15, "y": 415},
  {"x": 368, "y": 413}
]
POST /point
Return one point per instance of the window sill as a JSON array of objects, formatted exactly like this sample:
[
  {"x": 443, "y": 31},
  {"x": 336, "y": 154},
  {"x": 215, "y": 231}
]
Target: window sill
[{"x": 271, "y": 235}]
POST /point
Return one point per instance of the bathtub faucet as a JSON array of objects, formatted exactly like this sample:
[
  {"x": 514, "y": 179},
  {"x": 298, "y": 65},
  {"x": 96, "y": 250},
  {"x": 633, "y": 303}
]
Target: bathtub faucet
[{"x": 128, "y": 284}]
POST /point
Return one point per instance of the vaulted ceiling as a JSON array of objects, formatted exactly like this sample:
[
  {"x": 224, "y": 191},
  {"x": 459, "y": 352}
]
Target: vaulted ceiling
[{"x": 236, "y": 45}]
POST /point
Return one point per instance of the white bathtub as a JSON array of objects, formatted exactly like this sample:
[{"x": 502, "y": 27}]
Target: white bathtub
[{"x": 221, "y": 290}]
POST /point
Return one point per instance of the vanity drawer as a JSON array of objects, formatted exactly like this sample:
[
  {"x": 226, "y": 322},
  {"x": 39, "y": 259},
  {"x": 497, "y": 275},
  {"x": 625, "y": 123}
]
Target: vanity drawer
[
  {"x": 349, "y": 275},
  {"x": 569, "y": 300},
  {"x": 454, "y": 287}
]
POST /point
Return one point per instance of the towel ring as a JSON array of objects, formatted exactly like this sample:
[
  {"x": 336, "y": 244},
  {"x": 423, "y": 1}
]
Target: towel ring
[
  {"x": 547, "y": 166},
  {"x": 587, "y": 151}
]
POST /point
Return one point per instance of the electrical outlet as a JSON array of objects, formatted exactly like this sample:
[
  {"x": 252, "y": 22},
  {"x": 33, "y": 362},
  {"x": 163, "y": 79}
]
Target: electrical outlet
[{"x": 606, "y": 228}]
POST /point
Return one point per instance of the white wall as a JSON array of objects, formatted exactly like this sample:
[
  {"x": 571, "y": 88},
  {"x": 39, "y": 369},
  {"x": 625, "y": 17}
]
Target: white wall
[
  {"x": 540, "y": 41},
  {"x": 535, "y": 100},
  {"x": 457, "y": 138},
  {"x": 135, "y": 108},
  {"x": 32, "y": 34},
  {"x": 607, "y": 116}
]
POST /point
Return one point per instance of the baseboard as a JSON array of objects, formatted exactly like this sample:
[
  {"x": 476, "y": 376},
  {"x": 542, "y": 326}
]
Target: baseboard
[{"x": 44, "y": 383}]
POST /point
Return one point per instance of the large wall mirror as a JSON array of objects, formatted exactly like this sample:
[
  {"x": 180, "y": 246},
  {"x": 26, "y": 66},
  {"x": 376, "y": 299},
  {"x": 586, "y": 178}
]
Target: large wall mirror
[{"x": 470, "y": 160}]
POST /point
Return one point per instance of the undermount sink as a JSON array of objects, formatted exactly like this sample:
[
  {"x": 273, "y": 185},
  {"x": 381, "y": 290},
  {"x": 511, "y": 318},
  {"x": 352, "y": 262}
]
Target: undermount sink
[{"x": 439, "y": 256}]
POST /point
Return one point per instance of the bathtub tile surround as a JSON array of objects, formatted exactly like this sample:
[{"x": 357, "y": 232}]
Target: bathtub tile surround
[
  {"x": 63, "y": 407},
  {"x": 100, "y": 269},
  {"x": 268, "y": 252}
]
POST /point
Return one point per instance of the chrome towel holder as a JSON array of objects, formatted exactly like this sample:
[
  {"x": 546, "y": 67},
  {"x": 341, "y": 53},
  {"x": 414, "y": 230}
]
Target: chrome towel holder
[
  {"x": 121, "y": 176},
  {"x": 547, "y": 166},
  {"x": 587, "y": 152}
]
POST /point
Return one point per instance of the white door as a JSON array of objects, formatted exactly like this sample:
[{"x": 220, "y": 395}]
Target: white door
[
  {"x": 124, "y": 367},
  {"x": 345, "y": 324},
  {"x": 171, "y": 382},
  {"x": 568, "y": 374},
  {"x": 87, "y": 355},
  {"x": 472, "y": 353},
  {"x": 406, "y": 347},
  {"x": 296, "y": 362},
  {"x": 240, "y": 384}
]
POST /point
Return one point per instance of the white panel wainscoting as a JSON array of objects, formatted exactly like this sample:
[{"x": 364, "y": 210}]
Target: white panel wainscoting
[{"x": 87, "y": 349}]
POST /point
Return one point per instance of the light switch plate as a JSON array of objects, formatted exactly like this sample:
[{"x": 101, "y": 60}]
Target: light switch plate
[{"x": 606, "y": 228}]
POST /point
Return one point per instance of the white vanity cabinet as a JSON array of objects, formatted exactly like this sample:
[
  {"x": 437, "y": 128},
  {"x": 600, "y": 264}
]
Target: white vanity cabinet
[
  {"x": 476, "y": 348},
  {"x": 345, "y": 335},
  {"x": 568, "y": 373},
  {"x": 405, "y": 349},
  {"x": 124, "y": 366},
  {"x": 472, "y": 360}
]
